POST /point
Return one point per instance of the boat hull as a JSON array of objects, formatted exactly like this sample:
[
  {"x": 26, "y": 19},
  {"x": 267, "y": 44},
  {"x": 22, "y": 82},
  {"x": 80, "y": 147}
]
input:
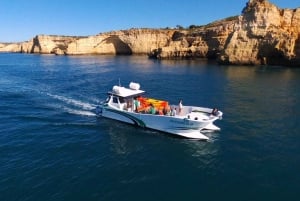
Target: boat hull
[{"x": 176, "y": 125}]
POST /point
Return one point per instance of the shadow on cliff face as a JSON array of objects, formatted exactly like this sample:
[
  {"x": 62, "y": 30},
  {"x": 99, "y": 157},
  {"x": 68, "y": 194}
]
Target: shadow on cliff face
[
  {"x": 121, "y": 47},
  {"x": 269, "y": 55},
  {"x": 36, "y": 47}
]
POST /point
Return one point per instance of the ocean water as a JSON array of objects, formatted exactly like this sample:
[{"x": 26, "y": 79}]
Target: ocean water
[{"x": 53, "y": 147}]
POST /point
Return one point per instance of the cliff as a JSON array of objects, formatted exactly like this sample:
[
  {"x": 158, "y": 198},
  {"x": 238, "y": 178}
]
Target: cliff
[
  {"x": 10, "y": 47},
  {"x": 133, "y": 41},
  {"x": 262, "y": 34}
]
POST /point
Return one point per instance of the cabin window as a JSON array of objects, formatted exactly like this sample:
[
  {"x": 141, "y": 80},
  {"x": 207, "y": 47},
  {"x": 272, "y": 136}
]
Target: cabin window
[
  {"x": 115, "y": 99},
  {"x": 121, "y": 100},
  {"x": 107, "y": 100}
]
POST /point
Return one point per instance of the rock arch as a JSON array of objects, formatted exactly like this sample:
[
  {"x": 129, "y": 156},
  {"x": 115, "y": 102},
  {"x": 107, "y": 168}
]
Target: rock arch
[{"x": 121, "y": 48}]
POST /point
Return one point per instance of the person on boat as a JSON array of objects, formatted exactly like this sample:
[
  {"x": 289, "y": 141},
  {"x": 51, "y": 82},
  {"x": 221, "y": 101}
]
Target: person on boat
[
  {"x": 128, "y": 104},
  {"x": 165, "y": 111},
  {"x": 136, "y": 104},
  {"x": 152, "y": 109},
  {"x": 173, "y": 111},
  {"x": 215, "y": 112},
  {"x": 180, "y": 106}
]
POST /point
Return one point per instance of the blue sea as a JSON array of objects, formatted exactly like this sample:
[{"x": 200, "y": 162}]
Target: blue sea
[{"x": 53, "y": 147}]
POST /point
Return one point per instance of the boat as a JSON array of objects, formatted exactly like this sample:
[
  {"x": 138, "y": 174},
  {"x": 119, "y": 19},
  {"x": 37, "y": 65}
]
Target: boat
[{"x": 130, "y": 105}]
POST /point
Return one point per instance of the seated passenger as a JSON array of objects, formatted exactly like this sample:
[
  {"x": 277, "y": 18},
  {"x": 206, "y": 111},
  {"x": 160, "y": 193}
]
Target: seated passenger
[
  {"x": 152, "y": 109},
  {"x": 215, "y": 112},
  {"x": 173, "y": 111},
  {"x": 165, "y": 111}
]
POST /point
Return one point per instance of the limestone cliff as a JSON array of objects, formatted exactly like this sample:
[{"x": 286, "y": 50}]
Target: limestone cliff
[
  {"x": 262, "y": 34},
  {"x": 133, "y": 41},
  {"x": 202, "y": 42},
  {"x": 46, "y": 44},
  {"x": 10, "y": 47}
]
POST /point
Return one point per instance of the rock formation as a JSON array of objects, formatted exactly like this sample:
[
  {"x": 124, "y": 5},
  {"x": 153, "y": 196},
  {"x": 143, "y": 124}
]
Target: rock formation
[
  {"x": 133, "y": 41},
  {"x": 262, "y": 34},
  {"x": 10, "y": 47}
]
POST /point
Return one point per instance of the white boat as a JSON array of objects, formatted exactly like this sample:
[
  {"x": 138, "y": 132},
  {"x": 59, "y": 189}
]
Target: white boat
[{"x": 129, "y": 105}]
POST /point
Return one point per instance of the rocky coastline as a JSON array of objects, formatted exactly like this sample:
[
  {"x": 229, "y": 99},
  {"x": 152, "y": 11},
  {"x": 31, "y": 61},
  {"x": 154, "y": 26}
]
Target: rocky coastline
[{"x": 262, "y": 35}]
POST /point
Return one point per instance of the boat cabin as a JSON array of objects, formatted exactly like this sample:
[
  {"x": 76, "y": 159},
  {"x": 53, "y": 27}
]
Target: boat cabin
[
  {"x": 131, "y": 100},
  {"x": 123, "y": 98}
]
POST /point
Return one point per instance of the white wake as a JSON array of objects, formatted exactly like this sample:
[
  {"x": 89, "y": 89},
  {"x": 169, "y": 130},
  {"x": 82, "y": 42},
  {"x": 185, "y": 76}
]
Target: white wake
[
  {"x": 73, "y": 106},
  {"x": 79, "y": 112}
]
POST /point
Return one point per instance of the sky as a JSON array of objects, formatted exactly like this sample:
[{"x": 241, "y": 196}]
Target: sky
[{"x": 21, "y": 20}]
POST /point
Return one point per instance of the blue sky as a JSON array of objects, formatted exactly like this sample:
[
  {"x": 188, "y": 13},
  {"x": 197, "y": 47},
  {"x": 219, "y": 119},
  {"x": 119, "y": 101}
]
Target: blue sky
[{"x": 21, "y": 20}]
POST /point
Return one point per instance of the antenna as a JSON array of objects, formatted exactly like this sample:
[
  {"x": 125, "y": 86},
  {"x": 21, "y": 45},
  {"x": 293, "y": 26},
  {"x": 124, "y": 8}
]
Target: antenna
[{"x": 119, "y": 82}]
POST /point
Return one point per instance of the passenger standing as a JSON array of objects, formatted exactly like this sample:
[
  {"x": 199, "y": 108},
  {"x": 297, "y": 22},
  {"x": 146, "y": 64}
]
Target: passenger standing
[
  {"x": 180, "y": 106},
  {"x": 136, "y": 104}
]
